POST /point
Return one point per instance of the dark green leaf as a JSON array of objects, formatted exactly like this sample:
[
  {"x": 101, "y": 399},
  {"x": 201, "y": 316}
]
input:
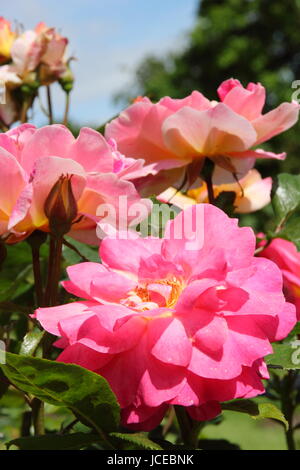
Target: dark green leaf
[
  {"x": 140, "y": 440},
  {"x": 4, "y": 383},
  {"x": 291, "y": 232},
  {"x": 242, "y": 406},
  {"x": 225, "y": 201},
  {"x": 87, "y": 394},
  {"x": 55, "y": 441}
]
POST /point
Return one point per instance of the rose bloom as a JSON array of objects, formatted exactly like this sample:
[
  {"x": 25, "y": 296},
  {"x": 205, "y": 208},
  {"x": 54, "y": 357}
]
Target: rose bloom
[
  {"x": 42, "y": 47},
  {"x": 177, "y": 132},
  {"x": 33, "y": 160},
  {"x": 284, "y": 253},
  {"x": 252, "y": 193},
  {"x": 7, "y": 37},
  {"x": 183, "y": 320}
]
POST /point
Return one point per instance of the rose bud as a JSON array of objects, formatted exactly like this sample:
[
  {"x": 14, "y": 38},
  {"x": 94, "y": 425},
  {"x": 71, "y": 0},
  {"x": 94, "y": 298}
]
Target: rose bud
[{"x": 61, "y": 207}]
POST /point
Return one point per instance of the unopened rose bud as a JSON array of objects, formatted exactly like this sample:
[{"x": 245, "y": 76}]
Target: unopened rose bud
[
  {"x": 67, "y": 80},
  {"x": 61, "y": 207}
]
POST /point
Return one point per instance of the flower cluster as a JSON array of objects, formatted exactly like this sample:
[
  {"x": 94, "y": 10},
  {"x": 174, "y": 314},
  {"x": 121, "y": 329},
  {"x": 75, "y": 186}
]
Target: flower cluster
[
  {"x": 33, "y": 160},
  {"x": 29, "y": 60},
  {"x": 185, "y": 319}
]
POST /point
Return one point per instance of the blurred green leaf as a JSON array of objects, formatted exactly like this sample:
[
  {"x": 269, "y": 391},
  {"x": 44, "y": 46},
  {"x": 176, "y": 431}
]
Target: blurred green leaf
[
  {"x": 17, "y": 287},
  {"x": 31, "y": 342},
  {"x": 256, "y": 410},
  {"x": 87, "y": 394},
  {"x": 73, "y": 257},
  {"x": 55, "y": 441},
  {"x": 217, "y": 444},
  {"x": 268, "y": 410}
]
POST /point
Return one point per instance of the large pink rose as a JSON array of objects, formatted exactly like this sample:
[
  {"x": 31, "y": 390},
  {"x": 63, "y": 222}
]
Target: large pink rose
[
  {"x": 31, "y": 162},
  {"x": 287, "y": 258},
  {"x": 174, "y": 133},
  {"x": 184, "y": 320}
]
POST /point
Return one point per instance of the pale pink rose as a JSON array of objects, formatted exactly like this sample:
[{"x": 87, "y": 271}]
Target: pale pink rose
[
  {"x": 31, "y": 162},
  {"x": 252, "y": 193},
  {"x": 42, "y": 47},
  {"x": 184, "y": 320},
  {"x": 174, "y": 133},
  {"x": 284, "y": 253}
]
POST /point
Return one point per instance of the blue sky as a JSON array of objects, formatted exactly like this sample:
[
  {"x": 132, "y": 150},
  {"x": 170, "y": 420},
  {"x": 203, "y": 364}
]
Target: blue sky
[{"x": 108, "y": 38}]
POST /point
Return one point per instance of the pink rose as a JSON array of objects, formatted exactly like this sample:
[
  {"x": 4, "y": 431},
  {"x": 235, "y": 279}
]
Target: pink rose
[
  {"x": 184, "y": 320},
  {"x": 32, "y": 161},
  {"x": 42, "y": 47},
  {"x": 174, "y": 133},
  {"x": 287, "y": 258}
]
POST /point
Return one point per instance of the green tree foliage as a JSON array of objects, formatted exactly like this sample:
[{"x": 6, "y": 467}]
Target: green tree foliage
[{"x": 253, "y": 40}]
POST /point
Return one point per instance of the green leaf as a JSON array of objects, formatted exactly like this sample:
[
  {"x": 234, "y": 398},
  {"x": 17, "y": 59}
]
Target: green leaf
[
  {"x": 55, "y": 441},
  {"x": 256, "y": 410},
  {"x": 286, "y": 197},
  {"x": 83, "y": 251},
  {"x": 18, "y": 286},
  {"x": 296, "y": 329},
  {"x": 285, "y": 356},
  {"x": 291, "y": 232},
  {"x": 31, "y": 342},
  {"x": 268, "y": 410},
  {"x": 87, "y": 394},
  {"x": 140, "y": 440}
]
